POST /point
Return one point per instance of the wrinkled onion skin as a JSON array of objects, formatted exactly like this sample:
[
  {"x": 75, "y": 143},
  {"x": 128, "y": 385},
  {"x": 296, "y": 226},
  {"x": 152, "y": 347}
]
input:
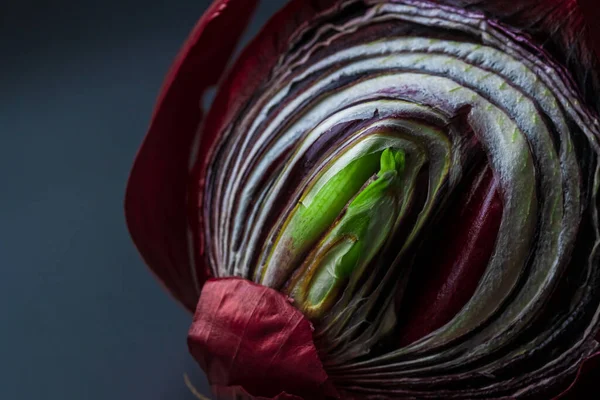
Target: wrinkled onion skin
[
  {"x": 155, "y": 202},
  {"x": 249, "y": 335}
]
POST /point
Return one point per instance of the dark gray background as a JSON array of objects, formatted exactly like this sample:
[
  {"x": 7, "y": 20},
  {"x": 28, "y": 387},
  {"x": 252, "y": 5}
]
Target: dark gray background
[{"x": 82, "y": 317}]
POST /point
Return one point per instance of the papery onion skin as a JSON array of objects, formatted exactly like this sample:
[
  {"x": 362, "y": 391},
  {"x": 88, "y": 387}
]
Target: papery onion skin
[{"x": 388, "y": 359}]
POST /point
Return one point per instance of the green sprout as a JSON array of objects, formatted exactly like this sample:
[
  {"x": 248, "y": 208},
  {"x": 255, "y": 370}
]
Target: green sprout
[{"x": 359, "y": 232}]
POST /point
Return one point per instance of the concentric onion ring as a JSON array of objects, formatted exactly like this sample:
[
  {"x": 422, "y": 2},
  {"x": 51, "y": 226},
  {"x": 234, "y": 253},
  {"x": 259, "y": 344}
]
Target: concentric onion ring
[{"x": 468, "y": 100}]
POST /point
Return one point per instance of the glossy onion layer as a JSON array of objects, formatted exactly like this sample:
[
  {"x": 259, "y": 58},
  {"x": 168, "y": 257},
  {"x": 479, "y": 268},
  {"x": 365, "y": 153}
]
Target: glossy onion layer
[{"x": 473, "y": 272}]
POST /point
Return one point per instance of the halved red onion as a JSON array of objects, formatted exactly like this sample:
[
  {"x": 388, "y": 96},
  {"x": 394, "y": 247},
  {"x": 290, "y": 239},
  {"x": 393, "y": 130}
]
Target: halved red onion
[{"x": 473, "y": 272}]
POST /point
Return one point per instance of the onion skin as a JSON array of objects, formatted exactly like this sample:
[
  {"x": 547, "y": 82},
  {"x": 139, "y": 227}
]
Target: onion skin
[
  {"x": 155, "y": 204},
  {"x": 256, "y": 324},
  {"x": 167, "y": 202}
]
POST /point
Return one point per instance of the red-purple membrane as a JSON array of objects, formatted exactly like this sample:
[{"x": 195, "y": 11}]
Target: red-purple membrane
[{"x": 450, "y": 264}]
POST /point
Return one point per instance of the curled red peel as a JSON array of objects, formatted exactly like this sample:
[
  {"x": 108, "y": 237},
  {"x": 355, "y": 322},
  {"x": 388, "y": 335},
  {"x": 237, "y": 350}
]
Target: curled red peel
[
  {"x": 155, "y": 203},
  {"x": 249, "y": 335}
]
